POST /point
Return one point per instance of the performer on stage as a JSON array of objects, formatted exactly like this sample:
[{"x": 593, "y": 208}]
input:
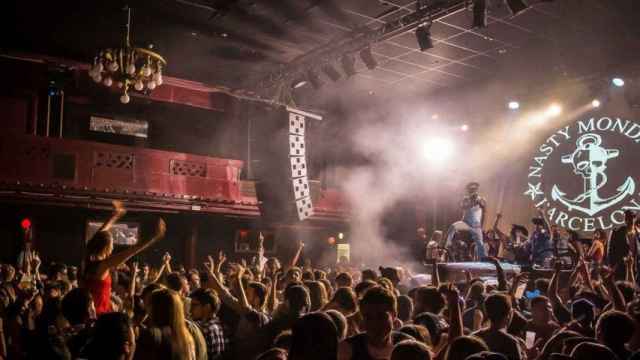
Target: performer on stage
[
  {"x": 473, "y": 212},
  {"x": 540, "y": 245},
  {"x": 622, "y": 243}
]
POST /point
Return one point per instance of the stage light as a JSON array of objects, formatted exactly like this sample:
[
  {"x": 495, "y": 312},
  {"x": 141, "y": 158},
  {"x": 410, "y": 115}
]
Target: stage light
[
  {"x": 514, "y": 105},
  {"x": 516, "y": 6},
  {"x": 438, "y": 150},
  {"x": 619, "y": 82},
  {"x": 331, "y": 72},
  {"x": 314, "y": 79},
  {"x": 25, "y": 224},
  {"x": 348, "y": 65},
  {"x": 554, "y": 110},
  {"x": 340, "y": 236},
  {"x": 424, "y": 37},
  {"x": 464, "y": 127},
  {"x": 595, "y": 103},
  {"x": 479, "y": 14},
  {"x": 367, "y": 58},
  {"x": 435, "y": 116}
]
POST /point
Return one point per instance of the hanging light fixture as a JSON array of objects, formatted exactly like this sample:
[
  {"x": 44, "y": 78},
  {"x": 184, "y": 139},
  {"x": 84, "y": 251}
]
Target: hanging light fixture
[{"x": 128, "y": 67}]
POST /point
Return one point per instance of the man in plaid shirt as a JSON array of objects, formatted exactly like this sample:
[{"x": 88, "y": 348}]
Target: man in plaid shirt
[{"x": 205, "y": 305}]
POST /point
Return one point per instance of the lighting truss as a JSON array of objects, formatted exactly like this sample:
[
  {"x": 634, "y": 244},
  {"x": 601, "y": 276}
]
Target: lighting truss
[{"x": 357, "y": 41}]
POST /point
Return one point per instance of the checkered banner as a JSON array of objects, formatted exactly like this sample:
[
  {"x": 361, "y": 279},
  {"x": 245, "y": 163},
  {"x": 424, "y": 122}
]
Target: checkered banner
[{"x": 297, "y": 158}]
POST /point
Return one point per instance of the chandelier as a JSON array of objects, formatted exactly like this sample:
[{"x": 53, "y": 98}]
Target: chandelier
[{"x": 128, "y": 67}]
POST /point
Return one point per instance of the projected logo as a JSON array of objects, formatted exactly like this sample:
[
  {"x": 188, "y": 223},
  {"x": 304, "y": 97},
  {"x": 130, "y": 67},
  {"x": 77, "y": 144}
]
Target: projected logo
[{"x": 588, "y": 153}]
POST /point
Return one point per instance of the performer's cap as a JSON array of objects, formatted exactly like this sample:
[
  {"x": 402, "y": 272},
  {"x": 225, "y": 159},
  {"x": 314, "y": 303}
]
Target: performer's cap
[{"x": 473, "y": 186}]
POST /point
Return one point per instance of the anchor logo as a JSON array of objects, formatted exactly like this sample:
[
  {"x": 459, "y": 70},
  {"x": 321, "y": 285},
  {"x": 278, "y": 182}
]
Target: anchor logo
[{"x": 590, "y": 161}]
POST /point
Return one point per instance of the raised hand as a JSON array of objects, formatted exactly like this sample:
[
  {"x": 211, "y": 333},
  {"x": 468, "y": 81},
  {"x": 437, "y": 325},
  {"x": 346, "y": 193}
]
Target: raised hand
[
  {"x": 118, "y": 207},
  {"x": 300, "y": 244},
  {"x": 210, "y": 264},
  {"x": 161, "y": 228},
  {"x": 222, "y": 258},
  {"x": 453, "y": 295},
  {"x": 35, "y": 261},
  {"x": 134, "y": 268},
  {"x": 166, "y": 258},
  {"x": 467, "y": 276}
]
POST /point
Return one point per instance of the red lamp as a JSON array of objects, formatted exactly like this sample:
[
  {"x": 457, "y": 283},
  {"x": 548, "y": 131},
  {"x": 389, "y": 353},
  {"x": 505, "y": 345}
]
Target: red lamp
[{"x": 26, "y": 224}]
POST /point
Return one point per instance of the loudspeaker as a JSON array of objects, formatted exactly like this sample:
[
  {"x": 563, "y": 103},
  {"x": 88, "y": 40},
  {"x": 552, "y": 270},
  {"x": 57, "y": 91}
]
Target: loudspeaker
[{"x": 282, "y": 185}]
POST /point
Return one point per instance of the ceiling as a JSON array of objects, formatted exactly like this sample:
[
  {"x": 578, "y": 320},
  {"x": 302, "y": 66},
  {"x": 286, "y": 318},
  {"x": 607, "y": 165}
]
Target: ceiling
[{"x": 233, "y": 42}]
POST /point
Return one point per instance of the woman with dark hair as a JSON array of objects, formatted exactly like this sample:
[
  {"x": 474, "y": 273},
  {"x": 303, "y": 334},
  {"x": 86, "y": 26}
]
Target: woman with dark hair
[
  {"x": 113, "y": 338},
  {"x": 596, "y": 251},
  {"x": 314, "y": 336},
  {"x": 99, "y": 259},
  {"x": 317, "y": 294},
  {"x": 464, "y": 346},
  {"x": 344, "y": 300}
]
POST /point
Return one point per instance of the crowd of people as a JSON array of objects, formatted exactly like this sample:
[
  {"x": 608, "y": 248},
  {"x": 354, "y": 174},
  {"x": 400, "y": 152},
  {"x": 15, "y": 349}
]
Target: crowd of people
[{"x": 112, "y": 308}]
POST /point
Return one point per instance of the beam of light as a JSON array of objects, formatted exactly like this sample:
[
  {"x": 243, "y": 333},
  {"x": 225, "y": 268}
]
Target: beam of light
[
  {"x": 438, "y": 150},
  {"x": 554, "y": 110},
  {"x": 619, "y": 82},
  {"x": 514, "y": 105}
]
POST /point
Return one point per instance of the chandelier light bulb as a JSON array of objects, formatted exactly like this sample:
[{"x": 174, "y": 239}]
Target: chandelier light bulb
[{"x": 128, "y": 67}]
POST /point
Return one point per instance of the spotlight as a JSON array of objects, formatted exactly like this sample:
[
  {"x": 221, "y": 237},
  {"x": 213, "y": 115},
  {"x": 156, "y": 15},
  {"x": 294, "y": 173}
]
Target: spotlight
[
  {"x": 314, "y": 79},
  {"x": 348, "y": 65},
  {"x": 516, "y": 6},
  {"x": 331, "y": 72},
  {"x": 340, "y": 236},
  {"x": 424, "y": 38},
  {"x": 595, "y": 103},
  {"x": 514, "y": 105},
  {"x": 619, "y": 82},
  {"x": 464, "y": 127},
  {"x": 479, "y": 14},
  {"x": 554, "y": 110},
  {"x": 438, "y": 150},
  {"x": 367, "y": 58},
  {"x": 435, "y": 116}
]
